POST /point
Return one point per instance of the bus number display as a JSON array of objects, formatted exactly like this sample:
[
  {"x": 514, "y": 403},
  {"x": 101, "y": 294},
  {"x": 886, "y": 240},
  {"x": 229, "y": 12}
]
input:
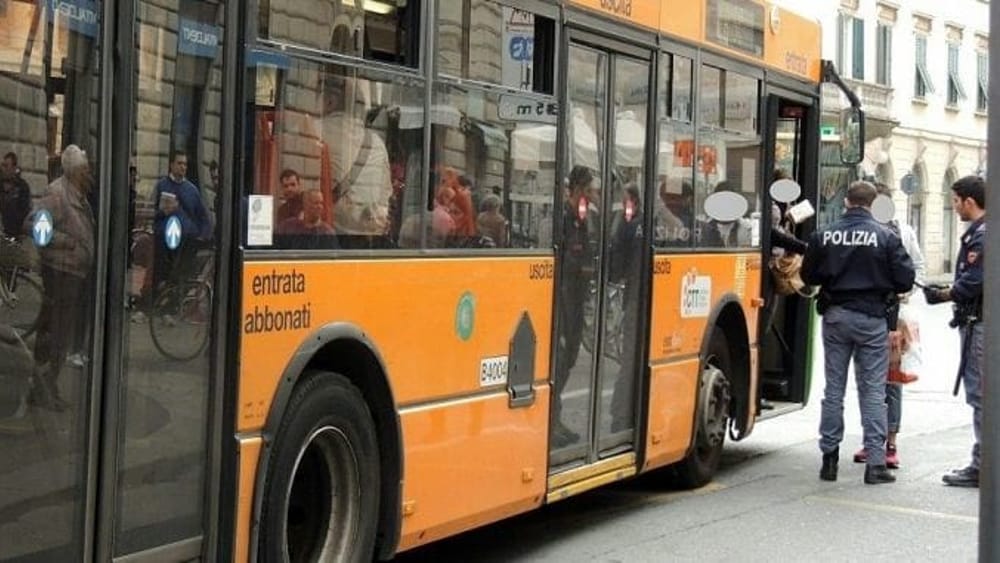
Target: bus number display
[{"x": 493, "y": 371}]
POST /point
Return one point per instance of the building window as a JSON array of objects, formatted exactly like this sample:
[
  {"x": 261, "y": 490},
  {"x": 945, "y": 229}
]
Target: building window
[
  {"x": 851, "y": 46},
  {"x": 982, "y": 81},
  {"x": 922, "y": 84},
  {"x": 955, "y": 90},
  {"x": 883, "y": 54}
]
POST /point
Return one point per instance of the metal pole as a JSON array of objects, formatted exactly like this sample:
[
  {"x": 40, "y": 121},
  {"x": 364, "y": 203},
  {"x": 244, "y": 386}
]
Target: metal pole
[{"x": 989, "y": 501}]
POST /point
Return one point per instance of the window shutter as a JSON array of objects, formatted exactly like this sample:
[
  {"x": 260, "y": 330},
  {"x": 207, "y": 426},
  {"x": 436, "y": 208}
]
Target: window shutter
[{"x": 858, "y": 50}]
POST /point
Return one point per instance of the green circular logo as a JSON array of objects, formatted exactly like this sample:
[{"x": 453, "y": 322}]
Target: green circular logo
[{"x": 465, "y": 316}]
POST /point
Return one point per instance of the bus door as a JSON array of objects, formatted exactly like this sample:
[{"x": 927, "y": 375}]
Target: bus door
[
  {"x": 792, "y": 133},
  {"x": 601, "y": 256}
]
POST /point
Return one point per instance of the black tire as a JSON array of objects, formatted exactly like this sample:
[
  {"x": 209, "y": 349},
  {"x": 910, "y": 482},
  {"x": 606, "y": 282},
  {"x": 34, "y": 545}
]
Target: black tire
[
  {"x": 23, "y": 314},
  {"x": 181, "y": 320},
  {"x": 699, "y": 467},
  {"x": 321, "y": 494}
]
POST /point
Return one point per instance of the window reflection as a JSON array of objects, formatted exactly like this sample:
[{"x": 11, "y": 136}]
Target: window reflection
[
  {"x": 339, "y": 151},
  {"x": 495, "y": 170}
]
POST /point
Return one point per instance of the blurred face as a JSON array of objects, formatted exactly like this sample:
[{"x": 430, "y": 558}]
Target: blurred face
[
  {"x": 8, "y": 167},
  {"x": 312, "y": 206},
  {"x": 80, "y": 177},
  {"x": 179, "y": 166},
  {"x": 290, "y": 186}
]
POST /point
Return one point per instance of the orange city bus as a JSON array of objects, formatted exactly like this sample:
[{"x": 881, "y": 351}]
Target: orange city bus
[{"x": 324, "y": 280}]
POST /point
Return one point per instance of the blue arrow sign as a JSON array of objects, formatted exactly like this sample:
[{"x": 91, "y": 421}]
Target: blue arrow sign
[
  {"x": 42, "y": 231},
  {"x": 172, "y": 236}
]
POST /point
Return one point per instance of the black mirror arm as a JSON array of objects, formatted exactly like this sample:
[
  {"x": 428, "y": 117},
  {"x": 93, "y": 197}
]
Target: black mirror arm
[{"x": 830, "y": 75}]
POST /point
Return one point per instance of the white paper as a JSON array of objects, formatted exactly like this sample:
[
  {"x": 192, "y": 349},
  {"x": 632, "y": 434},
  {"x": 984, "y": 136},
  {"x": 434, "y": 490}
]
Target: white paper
[
  {"x": 801, "y": 211},
  {"x": 260, "y": 220}
]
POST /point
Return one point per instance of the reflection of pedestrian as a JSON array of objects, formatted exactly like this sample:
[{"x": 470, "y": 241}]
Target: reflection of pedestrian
[
  {"x": 968, "y": 199},
  {"x": 625, "y": 268},
  {"x": 15, "y": 197},
  {"x": 176, "y": 196},
  {"x": 860, "y": 266},
  {"x": 66, "y": 263},
  {"x": 576, "y": 264}
]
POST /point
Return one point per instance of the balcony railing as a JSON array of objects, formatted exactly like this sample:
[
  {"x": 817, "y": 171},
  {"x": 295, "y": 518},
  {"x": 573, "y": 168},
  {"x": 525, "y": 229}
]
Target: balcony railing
[{"x": 876, "y": 99}]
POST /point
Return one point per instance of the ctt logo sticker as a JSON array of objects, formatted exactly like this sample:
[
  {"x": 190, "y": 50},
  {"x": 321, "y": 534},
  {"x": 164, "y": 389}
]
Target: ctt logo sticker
[
  {"x": 465, "y": 316},
  {"x": 696, "y": 295}
]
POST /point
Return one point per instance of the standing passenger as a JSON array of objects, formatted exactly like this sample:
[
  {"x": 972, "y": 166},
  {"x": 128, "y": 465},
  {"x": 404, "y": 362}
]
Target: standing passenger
[{"x": 860, "y": 267}]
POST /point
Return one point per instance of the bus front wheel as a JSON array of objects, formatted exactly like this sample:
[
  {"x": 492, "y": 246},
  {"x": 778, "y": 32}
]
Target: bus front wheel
[
  {"x": 321, "y": 493},
  {"x": 698, "y": 468}
]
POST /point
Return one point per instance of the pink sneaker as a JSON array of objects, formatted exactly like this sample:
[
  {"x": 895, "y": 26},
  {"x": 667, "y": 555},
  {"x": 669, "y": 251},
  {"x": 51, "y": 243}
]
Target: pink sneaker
[
  {"x": 861, "y": 456},
  {"x": 891, "y": 457}
]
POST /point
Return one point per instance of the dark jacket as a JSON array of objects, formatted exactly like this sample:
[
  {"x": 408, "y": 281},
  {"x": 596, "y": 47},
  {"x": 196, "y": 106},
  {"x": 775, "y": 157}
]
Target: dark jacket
[
  {"x": 15, "y": 204},
  {"x": 191, "y": 211},
  {"x": 968, "y": 286},
  {"x": 858, "y": 263}
]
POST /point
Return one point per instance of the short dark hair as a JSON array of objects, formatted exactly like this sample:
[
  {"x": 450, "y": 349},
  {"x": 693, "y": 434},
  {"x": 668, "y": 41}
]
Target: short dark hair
[
  {"x": 972, "y": 187},
  {"x": 287, "y": 173},
  {"x": 580, "y": 177},
  {"x": 175, "y": 153},
  {"x": 12, "y": 157},
  {"x": 861, "y": 194},
  {"x": 632, "y": 191}
]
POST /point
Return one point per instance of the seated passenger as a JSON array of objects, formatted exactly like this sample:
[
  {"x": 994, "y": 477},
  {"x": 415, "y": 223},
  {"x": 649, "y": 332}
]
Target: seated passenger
[
  {"x": 307, "y": 229},
  {"x": 491, "y": 222}
]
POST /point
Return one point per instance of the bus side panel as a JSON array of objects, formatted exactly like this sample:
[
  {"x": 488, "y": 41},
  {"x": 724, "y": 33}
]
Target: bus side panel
[
  {"x": 435, "y": 322},
  {"x": 249, "y": 452},
  {"x": 686, "y": 288},
  {"x": 471, "y": 462},
  {"x": 672, "y": 401}
]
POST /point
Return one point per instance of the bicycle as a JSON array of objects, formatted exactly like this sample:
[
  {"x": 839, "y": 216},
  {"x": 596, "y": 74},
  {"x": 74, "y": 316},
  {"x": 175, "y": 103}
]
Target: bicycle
[
  {"x": 181, "y": 315},
  {"x": 21, "y": 294}
]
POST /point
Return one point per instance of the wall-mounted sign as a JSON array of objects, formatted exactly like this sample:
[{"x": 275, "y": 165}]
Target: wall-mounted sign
[{"x": 198, "y": 39}]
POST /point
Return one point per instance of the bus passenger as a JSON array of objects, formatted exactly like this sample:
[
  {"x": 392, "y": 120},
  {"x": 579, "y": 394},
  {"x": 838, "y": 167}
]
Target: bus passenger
[
  {"x": 308, "y": 230},
  {"x": 625, "y": 268},
  {"x": 576, "y": 268},
  {"x": 491, "y": 222},
  {"x": 291, "y": 195}
]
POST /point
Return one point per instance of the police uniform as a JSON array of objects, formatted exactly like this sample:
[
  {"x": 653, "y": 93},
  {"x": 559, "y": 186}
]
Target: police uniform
[
  {"x": 967, "y": 294},
  {"x": 860, "y": 266}
]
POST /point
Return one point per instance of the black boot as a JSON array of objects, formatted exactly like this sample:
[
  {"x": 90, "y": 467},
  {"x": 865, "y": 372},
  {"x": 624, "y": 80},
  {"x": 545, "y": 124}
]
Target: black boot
[
  {"x": 829, "y": 470},
  {"x": 878, "y": 475}
]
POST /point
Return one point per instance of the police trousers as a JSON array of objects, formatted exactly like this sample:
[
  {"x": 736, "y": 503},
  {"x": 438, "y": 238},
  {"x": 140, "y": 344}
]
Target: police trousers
[
  {"x": 972, "y": 380},
  {"x": 849, "y": 334}
]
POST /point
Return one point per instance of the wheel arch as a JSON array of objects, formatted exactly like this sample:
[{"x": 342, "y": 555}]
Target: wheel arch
[
  {"x": 345, "y": 349},
  {"x": 729, "y": 317}
]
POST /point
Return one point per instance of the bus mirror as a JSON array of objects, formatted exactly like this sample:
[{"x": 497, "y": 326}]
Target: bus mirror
[
  {"x": 852, "y": 135},
  {"x": 785, "y": 191}
]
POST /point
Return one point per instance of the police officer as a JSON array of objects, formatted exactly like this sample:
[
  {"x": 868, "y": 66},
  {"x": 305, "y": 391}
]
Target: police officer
[
  {"x": 860, "y": 266},
  {"x": 968, "y": 200}
]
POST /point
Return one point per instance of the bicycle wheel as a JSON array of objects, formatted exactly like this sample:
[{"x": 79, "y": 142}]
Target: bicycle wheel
[
  {"x": 181, "y": 320},
  {"x": 24, "y": 304}
]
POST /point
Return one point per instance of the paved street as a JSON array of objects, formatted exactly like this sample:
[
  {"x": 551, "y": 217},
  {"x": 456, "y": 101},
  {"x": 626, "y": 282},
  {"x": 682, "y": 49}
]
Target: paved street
[{"x": 767, "y": 503}]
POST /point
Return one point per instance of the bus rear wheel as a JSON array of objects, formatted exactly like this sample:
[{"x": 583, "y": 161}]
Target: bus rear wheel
[
  {"x": 714, "y": 399},
  {"x": 321, "y": 494}
]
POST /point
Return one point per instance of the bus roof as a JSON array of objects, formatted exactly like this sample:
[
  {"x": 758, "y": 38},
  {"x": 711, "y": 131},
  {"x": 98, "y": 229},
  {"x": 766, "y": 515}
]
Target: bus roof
[{"x": 764, "y": 32}]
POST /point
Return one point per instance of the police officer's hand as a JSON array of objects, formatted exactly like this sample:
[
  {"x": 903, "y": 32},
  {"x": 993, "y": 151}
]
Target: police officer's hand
[{"x": 935, "y": 294}]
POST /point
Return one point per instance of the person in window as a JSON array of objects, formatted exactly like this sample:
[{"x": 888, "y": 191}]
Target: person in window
[
  {"x": 576, "y": 261},
  {"x": 726, "y": 234},
  {"x": 291, "y": 195},
  {"x": 67, "y": 262},
  {"x": 625, "y": 268},
  {"x": 15, "y": 197},
  {"x": 308, "y": 229},
  {"x": 175, "y": 196},
  {"x": 674, "y": 214},
  {"x": 362, "y": 179},
  {"x": 491, "y": 222}
]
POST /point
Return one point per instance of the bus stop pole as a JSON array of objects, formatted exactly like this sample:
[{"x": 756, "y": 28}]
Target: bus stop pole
[{"x": 989, "y": 501}]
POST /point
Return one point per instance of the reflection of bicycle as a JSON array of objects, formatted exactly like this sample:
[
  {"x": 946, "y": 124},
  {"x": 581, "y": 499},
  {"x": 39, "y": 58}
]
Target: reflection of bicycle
[
  {"x": 614, "y": 318},
  {"x": 20, "y": 293},
  {"x": 181, "y": 317}
]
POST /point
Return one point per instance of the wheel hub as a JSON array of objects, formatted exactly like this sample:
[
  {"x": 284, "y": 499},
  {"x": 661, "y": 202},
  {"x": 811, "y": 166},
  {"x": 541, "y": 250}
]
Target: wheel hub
[{"x": 714, "y": 404}]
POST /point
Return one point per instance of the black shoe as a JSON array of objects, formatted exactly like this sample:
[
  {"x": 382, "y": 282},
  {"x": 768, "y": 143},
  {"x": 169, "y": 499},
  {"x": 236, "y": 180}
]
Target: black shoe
[
  {"x": 878, "y": 475},
  {"x": 965, "y": 477},
  {"x": 562, "y": 436},
  {"x": 829, "y": 470}
]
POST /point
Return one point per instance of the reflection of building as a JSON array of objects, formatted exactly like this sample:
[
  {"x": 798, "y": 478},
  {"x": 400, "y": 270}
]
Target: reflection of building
[{"x": 920, "y": 70}]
